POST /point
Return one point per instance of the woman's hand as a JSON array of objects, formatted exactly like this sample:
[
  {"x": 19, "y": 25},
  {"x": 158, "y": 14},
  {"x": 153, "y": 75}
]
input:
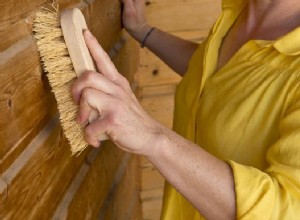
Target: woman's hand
[
  {"x": 134, "y": 19},
  {"x": 121, "y": 116}
]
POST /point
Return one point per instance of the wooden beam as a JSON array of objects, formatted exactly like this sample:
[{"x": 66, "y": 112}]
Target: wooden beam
[{"x": 182, "y": 15}]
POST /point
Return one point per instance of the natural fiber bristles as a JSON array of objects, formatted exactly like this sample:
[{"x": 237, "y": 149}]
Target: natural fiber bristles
[{"x": 60, "y": 72}]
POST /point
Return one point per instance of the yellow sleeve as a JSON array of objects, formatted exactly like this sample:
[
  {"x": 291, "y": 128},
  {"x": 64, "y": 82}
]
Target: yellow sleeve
[{"x": 275, "y": 192}]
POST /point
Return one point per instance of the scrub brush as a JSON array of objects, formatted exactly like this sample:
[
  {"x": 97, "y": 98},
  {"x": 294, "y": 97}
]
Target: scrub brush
[{"x": 65, "y": 56}]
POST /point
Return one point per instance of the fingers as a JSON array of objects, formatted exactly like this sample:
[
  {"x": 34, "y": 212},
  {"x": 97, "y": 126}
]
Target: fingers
[
  {"x": 128, "y": 4},
  {"x": 94, "y": 130},
  {"x": 90, "y": 79},
  {"x": 92, "y": 100},
  {"x": 103, "y": 62}
]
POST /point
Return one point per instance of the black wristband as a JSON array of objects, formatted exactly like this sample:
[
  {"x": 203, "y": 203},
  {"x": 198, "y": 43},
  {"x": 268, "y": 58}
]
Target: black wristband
[{"x": 146, "y": 37}]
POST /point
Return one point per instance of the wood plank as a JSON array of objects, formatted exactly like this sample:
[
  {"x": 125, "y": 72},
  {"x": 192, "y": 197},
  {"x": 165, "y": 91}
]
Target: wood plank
[
  {"x": 152, "y": 91},
  {"x": 93, "y": 191},
  {"x": 34, "y": 185},
  {"x": 127, "y": 190},
  {"x": 25, "y": 99},
  {"x": 151, "y": 179},
  {"x": 152, "y": 209},
  {"x": 152, "y": 194},
  {"x": 183, "y": 15},
  {"x": 127, "y": 58},
  {"x": 13, "y": 10},
  {"x": 160, "y": 108},
  {"x": 152, "y": 71},
  {"x": 38, "y": 178},
  {"x": 105, "y": 20},
  {"x": 67, "y": 3},
  {"x": 193, "y": 35},
  {"x": 22, "y": 78},
  {"x": 15, "y": 32}
]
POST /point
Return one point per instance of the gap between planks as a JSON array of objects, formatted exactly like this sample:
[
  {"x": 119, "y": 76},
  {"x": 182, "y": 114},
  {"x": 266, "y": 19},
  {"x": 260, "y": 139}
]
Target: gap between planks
[{"x": 25, "y": 156}]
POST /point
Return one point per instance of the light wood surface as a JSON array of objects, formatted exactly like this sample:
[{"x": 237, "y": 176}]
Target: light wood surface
[{"x": 179, "y": 15}]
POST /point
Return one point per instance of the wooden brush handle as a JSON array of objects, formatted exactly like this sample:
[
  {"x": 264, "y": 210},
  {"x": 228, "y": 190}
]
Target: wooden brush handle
[{"x": 73, "y": 24}]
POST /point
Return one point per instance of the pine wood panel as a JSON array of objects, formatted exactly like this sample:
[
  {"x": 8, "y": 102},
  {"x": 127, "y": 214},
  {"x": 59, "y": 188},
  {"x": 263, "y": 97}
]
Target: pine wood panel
[
  {"x": 125, "y": 201},
  {"x": 151, "y": 179},
  {"x": 153, "y": 72},
  {"x": 160, "y": 108},
  {"x": 67, "y": 3},
  {"x": 105, "y": 20},
  {"x": 25, "y": 100},
  {"x": 15, "y": 32},
  {"x": 151, "y": 209},
  {"x": 183, "y": 15},
  {"x": 94, "y": 189},
  {"x": 38, "y": 178},
  {"x": 127, "y": 57},
  {"x": 13, "y": 10}
]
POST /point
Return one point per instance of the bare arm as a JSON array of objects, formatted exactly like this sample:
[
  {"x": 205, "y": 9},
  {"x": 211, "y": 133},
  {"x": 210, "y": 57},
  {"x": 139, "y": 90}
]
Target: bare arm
[
  {"x": 175, "y": 52},
  {"x": 204, "y": 180}
]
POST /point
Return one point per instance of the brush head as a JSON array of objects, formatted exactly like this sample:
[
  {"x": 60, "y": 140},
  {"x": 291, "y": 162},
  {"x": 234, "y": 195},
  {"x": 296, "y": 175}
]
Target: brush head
[{"x": 60, "y": 72}]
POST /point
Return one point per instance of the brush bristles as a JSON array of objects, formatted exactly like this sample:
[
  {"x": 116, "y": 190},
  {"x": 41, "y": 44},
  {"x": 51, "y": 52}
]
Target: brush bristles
[{"x": 60, "y": 72}]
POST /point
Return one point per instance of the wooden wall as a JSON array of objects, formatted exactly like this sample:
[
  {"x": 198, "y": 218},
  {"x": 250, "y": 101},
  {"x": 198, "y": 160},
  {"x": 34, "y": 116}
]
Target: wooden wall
[
  {"x": 38, "y": 177},
  {"x": 189, "y": 19}
]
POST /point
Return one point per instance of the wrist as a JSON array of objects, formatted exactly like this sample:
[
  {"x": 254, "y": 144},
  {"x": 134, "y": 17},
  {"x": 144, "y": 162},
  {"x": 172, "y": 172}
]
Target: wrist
[
  {"x": 160, "y": 142},
  {"x": 140, "y": 33}
]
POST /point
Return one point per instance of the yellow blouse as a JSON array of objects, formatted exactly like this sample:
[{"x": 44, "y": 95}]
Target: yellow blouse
[{"x": 248, "y": 114}]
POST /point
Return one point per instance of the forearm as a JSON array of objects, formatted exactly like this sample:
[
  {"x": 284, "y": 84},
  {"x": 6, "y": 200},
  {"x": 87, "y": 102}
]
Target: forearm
[
  {"x": 174, "y": 51},
  {"x": 201, "y": 178}
]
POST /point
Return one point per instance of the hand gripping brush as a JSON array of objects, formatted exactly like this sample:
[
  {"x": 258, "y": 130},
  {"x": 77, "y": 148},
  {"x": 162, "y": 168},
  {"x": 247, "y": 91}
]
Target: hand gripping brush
[{"x": 65, "y": 57}]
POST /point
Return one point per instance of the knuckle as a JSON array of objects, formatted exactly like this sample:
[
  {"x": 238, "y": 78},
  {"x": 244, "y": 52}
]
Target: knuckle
[
  {"x": 86, "y": 93},
  {"x": 125, "y": 83},
  {"x": 117, "y": 114},
  {"x": 118, "y": 90},
  {"x": 89, "y": 76},
  {"x": 111, "y": 120}
]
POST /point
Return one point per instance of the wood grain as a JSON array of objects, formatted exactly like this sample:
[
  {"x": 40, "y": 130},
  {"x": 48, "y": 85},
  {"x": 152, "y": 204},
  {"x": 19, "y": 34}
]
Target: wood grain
[
  {"x": 38, "y": 174},
  {"x": 153, "y": 72},
  {"x": 127, "y": 58},
  {"x": 160, "y": 107},
  {"x": 94, "y": 189},
  {"x": 14, "y": 10},
  {"x": 183, "y": 15},
  {"x": 39, "y": 177},
  {"x": 105, "y": 20},
  {"x": 125, "y": 201},
  {"x": 67, "y": 3},
  {"x": 25, "y": 99},
  {"x": 15, "y": 32}
]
